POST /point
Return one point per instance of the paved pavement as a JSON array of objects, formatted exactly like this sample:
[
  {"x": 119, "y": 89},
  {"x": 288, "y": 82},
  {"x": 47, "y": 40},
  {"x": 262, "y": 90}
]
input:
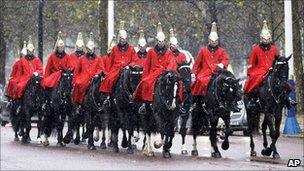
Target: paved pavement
[{"x": 15, "y": 155}]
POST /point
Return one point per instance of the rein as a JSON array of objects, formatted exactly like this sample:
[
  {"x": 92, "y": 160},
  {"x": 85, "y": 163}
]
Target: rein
[{"x": 276, "y": 99}]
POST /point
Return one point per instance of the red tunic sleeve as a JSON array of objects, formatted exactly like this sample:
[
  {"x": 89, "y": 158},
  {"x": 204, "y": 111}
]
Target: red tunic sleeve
[
  {"x": 147, "y": 65},
  {"x": 49, "y": 66},
  {"x": 39, "y": 67},
  {"x": 225, "y": 58},
  {"x": 198, "y": 63}
]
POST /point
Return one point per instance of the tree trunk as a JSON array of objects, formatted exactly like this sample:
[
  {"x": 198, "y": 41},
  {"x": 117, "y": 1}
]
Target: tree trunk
[
  {"x": 298, "y": 66},
  {"x": 40, "y": 29},
  {"x": 103, "y": 26},
  {"x": 2, "y": 43}
]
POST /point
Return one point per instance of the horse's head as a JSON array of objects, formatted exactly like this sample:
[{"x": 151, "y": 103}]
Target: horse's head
[
  {"x": 185, "y": 72},
  {"x": 280, "y": 70},
  {"x": 229, "y": 88},
  {"x": 169, "y": 88},
  {"x": 35, "y": 80},
  {"x": 135, "y": 75},
  {"x": 65, "y": 85}
]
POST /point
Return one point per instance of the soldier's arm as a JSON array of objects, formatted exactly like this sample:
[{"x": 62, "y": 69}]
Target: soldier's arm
[{"x": 197, "y": 63}]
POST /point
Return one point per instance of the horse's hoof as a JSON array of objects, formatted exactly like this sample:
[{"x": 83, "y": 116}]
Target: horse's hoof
[
  {"x": 91, "y": 147},
  {"x": 225, "y": 145},
  {"x": 216, "y": 155},
  {"x": 253, "y": 154},
  {"x": 148, "y": 153},
  {"x": 157, "y": 144},
  {"x": 184, "y": 152},
  {"x": 76, "y": 141},
  {"x": 39, "y": 141},
  {"x": 136, "y": 139},
  {"x": 66, "y": 139},
  {"x": 60, "y": 144},
  {"x": 134, "y": 147},
  {"x": 266, "y": 151},
  {"x": 276, "y": 155},
  {"x": 124, "y": 143},
  {"x": 110, "y": 144},
  {"x": 28, "y": 139},
  {"x": 24, "y": 140},
  {"x": 16, "y": 139},
  {"x": 166, "y": 154},
  {"x": 115, "y": 150},
  {"x": 103, "y": 145},
  {"x": 130, "y": 150},
  {"x": 46, "y": 143},
  {"x": 83, "y": 140},
  {"x": 194, "y": 153}
]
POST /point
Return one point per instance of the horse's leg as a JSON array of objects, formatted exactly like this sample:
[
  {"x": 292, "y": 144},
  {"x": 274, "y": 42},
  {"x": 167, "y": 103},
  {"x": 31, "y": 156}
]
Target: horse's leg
[
  {"x": 276, "y": 135},
  {"x": 197, "y": 119},
  {"x": 166, "y": 151},
  {"x": 183, "y": 131},
  {"x": 157, "y": 144},
  {"x": 39, "y": 127},
  {"x": 136, "y": 136},
  {"x": 114, "y": 139},
  {"x": 110, "y": 143},
  {"x": 83, "y": 132},
  {"x": 148, "y": 147},
  {"x": 266, "y": 151},
  {"x": 77, "y": 138},
  {"x": 103, "y": 139},
  {"x": 251, "y": 125},
  {"x": 90, "y": 132},
  {"x": 27, "y": 126},
  {"x": 60, "y": 124},
  {"x": 124, "y": 142},
  {"x": 212, "y": 137},
  {"x": 130, "y": 148},
  {"x": 225, "y": 144},
  {"x": 144, "y": 142}
]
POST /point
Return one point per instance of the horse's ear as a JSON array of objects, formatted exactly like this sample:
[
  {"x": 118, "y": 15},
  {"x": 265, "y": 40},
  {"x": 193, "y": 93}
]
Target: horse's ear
[
  {"x": 189, "y": 61},
  {"x": 287, "y": 59},
  {"x": 237, "y": 80}
]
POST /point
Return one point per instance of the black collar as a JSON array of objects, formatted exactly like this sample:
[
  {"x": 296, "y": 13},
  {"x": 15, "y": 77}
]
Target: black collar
[
  {"x": 90, "y": 56},
  {"x": 265, "y": 47},
  {"x": 123, "y": 47},
  {"x": 212, "y": 49},
  {"x": 175, "y": 52},
  {"x": 29, "y": 57},
  {"x": 60, "y": 54},
  {"x": 142, "y": 54},
  {"x": 159, "y": 50},
  {"x": 79, "y": 53}
]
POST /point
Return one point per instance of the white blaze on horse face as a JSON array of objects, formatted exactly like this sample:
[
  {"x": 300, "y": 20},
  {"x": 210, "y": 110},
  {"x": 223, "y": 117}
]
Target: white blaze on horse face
[{"x": 173, "y": 105}]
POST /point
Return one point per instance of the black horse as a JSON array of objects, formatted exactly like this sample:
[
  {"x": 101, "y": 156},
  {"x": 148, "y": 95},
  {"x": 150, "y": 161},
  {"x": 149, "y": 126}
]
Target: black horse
[
  {"x": 161, "y": 115},
  {"x": 94, "y": 114},
  {"x": 185, "y": 72},
  {"x": 221, "y": 98},
  {"x": 126, "y": 116},
  {"x": 271, "y": 97},
  {"x": 31, "y": 104},
  {"x": 57, "y": 107}
]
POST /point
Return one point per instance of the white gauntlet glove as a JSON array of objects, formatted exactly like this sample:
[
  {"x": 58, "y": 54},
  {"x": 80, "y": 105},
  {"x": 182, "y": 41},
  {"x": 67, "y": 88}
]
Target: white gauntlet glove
[
  {"x": 193, "y": 77},
  {"x": 35, "y": 73},
  {"x": 220, "y": 65}
]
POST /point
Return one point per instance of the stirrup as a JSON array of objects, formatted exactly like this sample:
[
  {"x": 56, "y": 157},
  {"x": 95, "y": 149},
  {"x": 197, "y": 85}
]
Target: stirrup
[{"x": 142, "y": 109}]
